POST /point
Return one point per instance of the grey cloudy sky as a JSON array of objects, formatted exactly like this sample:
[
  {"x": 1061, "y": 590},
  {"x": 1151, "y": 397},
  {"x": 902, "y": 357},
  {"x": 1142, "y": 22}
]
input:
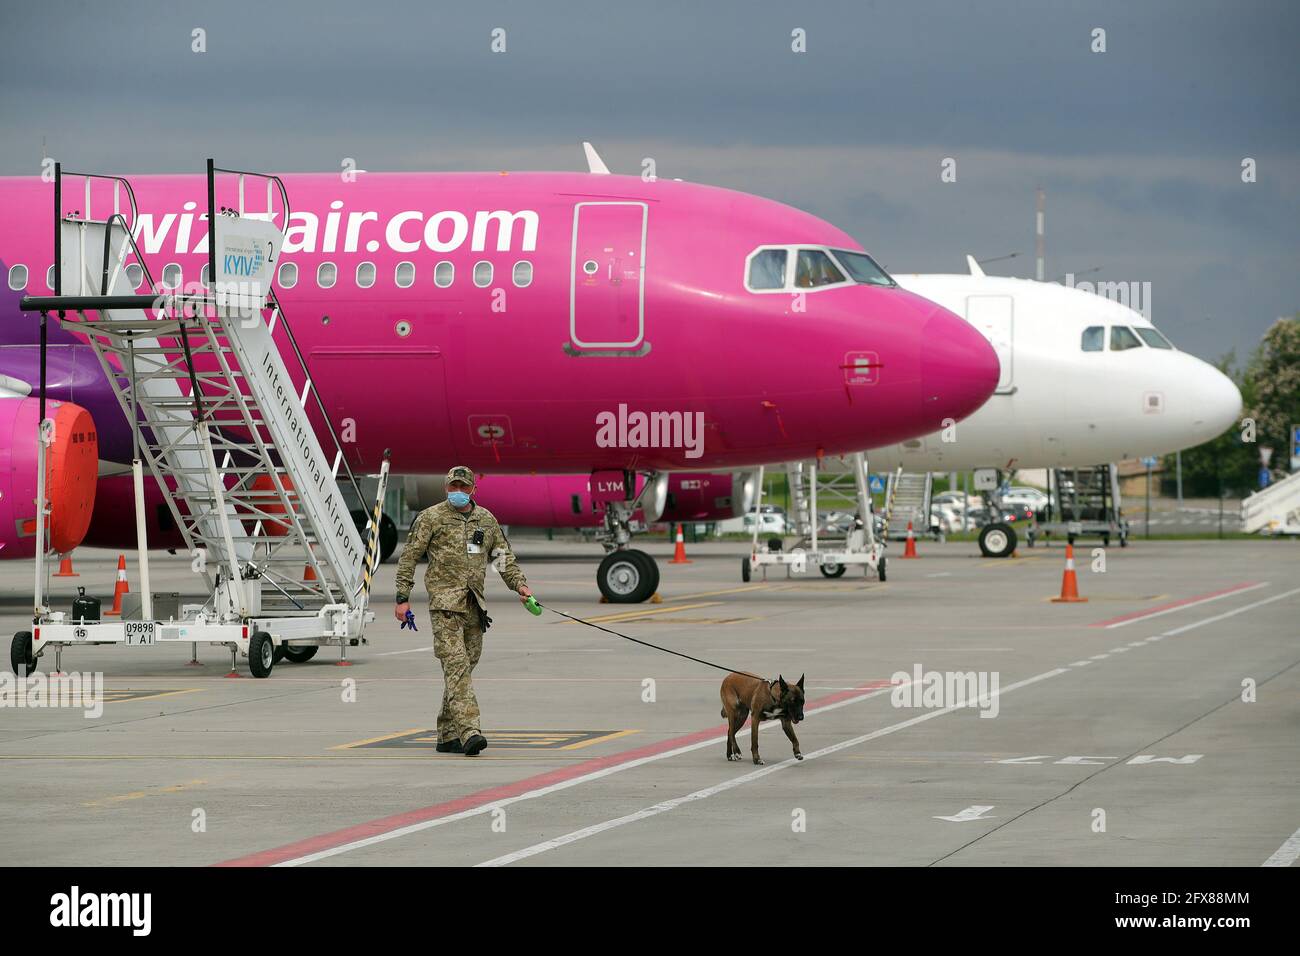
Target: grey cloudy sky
[{"x": 1139, "y": 148}]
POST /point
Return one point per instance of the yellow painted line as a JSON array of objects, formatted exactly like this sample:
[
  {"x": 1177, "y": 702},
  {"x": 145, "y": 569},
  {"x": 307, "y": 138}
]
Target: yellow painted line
[
  {"x": 132, "y": 700},
  {"x": 139, "y": 794},
  {"x": 599, "y": 740},
  {"x": 375, "y": 740},
  {"x": 748, "y": 587},
  {"x": 626, "y": 615}
]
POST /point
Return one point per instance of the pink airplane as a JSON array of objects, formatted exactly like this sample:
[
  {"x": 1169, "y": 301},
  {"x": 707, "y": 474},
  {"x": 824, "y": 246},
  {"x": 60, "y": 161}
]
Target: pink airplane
[{"x": 519, "y": 323}]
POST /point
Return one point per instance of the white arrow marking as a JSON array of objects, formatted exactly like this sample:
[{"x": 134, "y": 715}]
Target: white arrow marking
[{"x": 970, "y": 813}]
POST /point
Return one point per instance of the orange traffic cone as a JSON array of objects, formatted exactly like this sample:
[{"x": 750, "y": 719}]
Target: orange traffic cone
[
  {"x": 309, "y": 573},
  {"x": 679, "y": 555},
  {"x": 1069, "y": 583},
  {"x": 909, "y": 550},
  {"x": 120, "y": 589},
  {"x": 65, "y": 568}
]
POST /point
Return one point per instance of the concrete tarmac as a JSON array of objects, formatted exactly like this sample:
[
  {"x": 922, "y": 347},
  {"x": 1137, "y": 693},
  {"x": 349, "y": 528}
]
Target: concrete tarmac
[{"x": 1117, "y": 732}]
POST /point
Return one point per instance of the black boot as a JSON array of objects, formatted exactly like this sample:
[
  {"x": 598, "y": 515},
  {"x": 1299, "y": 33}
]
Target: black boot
[
  {"x": 474, "y": 745},
  {"x": 449, "y": 747}
]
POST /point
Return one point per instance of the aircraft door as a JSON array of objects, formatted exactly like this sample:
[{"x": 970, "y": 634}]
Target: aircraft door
[
  {"x": 994, "y": 317},
  {"x": 607, "y": 279}
]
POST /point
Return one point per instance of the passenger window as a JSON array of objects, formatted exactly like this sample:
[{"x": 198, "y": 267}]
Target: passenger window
[
  {"x": 203, "y": 275},
  {"x": 523, "y": 274},
  {"x": 405, "y": 275},
  {"x": 443, "y": 274},
  {"x": 326, "y": 274},
  {"x": 171, "y": 277},
  {"x": 17, "y": 278},
  {"x": 1122, "y": 339},
  {"x": 814, "y": 268},
  {"x": 365, "y": 275},
  {"x": 288, "y": 275},
  {"x": 49, "y": 278},
  {"x": 767, "y": 269},
  {"x": 1094, "y": 338},
  {"x": 1153, "y": 338},
  {"x": 134, "y": 274},
  {"x": 482, "y": 274}
]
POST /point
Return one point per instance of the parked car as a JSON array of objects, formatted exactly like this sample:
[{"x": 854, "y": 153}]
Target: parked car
[
  {"x": 1035, "y": 499},
  {"x": 771, "y": 520}
]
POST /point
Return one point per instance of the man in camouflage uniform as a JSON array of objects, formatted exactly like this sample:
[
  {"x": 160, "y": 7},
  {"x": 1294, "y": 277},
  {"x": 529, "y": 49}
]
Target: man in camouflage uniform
[{"x": 459, "y": 538}]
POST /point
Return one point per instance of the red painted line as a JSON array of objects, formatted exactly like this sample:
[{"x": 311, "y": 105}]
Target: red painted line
[
  {"x": 361, "y": 831},
  {"x": 1152, "y": 611}
]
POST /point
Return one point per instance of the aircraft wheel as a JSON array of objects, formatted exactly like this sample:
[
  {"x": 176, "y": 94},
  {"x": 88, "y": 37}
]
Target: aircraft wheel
[
  {"x": 261, "y": 654},
  {"x": 997, "y": 541},
  {"x": 387, "y": 533},
  {"x": 625, "y": 577},
  {"x": 300, "y": 655},
  {"x": 830, "y": 569},
  {"x": 21, "y": 661},
  {"x": 880, "y": 568},
  {"x": 744, "y": 569}
]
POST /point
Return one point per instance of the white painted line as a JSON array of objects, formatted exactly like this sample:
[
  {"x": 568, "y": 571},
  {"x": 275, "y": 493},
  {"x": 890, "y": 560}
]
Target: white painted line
[
  {"x": 707, "y": 792},
  {"x": 1119, "y": 650},
  {"x": 1081, "y": 663},
  {"x": 1227, "y": 614},
  {"x": 970, "y": 813},
  {"x": 413, "y": 650},
  {"x": 1286, "y": 854},
  {"x": 1137, "y": 643},
  {"x": 1184, "y": 607},
  {"x": 1099, "y": 657},
  {"x": 553, "y": 788}
]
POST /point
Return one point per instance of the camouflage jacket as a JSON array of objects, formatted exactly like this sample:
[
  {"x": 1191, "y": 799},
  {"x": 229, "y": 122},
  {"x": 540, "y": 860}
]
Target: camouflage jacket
[{"x": 456, "y": 565}]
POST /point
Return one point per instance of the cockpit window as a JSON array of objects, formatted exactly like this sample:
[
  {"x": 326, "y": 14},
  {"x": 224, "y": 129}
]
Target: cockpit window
[
  {"x": 814, "y": 268},
  {"x": 1122, "y": 338},
  {"x": 862, "y": 268},
  {"x": 767, "y": 269},
  {"x": 1153, "y": 338},
  {"x": 1094, "y": 338}
]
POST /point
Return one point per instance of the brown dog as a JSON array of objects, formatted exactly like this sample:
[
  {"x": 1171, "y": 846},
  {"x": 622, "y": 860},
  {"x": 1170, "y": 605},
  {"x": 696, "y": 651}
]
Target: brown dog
[{"x": 744, "y": 695}]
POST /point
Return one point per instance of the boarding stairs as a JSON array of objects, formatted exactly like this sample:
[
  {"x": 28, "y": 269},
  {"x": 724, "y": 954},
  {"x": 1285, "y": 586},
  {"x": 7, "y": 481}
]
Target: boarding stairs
[
  {"x": 1273, "y": 510},
  {"x": 219, "y": 421},
  {"x": 1082, "y": 502},
  {"x": 909, "y": 497},
  {"x": 851, "y": 540}
]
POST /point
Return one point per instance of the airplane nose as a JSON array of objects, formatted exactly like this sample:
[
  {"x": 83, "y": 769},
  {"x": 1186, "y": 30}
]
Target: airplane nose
[
  {"x": 1217, "y": 402},
  {"x": 959, "y": 368}
]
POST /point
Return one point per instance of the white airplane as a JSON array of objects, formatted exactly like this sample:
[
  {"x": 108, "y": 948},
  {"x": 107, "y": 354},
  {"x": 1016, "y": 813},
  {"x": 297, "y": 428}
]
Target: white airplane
[{"x": 1084, "y": 380}]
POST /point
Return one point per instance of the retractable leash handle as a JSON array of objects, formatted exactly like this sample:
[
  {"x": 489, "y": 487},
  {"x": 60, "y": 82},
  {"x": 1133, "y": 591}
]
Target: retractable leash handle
[
  {"x": 534, "y": 606},
  {"x": 409, "y": 621}
]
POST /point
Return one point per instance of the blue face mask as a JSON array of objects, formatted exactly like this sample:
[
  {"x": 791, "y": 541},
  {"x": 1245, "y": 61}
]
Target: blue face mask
[{"x": 458, "y": 499}]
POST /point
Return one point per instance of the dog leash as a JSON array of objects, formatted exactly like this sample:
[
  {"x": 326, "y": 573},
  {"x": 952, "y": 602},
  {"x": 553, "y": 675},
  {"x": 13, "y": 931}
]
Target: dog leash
[{"x": 636, "y": 640}]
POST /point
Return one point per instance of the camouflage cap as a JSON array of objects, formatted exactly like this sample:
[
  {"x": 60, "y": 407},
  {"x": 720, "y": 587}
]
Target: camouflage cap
[{"x": 460, "y": 473}]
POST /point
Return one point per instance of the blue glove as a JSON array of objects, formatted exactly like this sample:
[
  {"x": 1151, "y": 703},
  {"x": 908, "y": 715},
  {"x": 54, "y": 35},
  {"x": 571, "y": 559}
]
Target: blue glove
[{"x": 410, "y": 621}]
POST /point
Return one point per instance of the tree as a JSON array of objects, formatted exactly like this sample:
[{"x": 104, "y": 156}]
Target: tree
[{"x": 1274, "y": 377}]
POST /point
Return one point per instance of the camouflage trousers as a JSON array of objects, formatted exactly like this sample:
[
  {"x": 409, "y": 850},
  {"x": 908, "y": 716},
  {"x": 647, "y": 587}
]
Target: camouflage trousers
[{"x": 457, "y": 643}]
